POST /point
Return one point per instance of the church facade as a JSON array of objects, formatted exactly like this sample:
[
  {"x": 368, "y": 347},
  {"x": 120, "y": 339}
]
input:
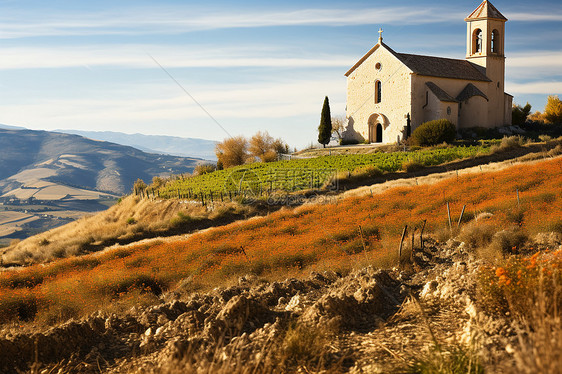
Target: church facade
[{"x": 389, "y": 94}]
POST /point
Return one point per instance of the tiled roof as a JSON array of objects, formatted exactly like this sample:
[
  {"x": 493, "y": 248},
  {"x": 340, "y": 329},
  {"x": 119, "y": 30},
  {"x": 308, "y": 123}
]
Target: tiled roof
[
  {"x": 442, "y": 67},
  {"x": 469, "y": 91},
  {"x": 431, "y": 66},
  {"x": 486, "y": 10},
  {"x": 441, "y": 95}
]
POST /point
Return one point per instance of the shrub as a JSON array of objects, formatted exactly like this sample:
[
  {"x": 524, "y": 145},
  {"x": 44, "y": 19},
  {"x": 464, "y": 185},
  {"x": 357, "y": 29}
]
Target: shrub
[
  {"x": 545, "y": 138},
  {"x": 368, "y": 171},
  {"x": 411, "y": 166},
  {"x": 204, "y": 169},
  {"x": 434, "y": 132},
  {"x": 509, "y": 142},
  {"x": 519, "y": 114},
  {"x": 349, "y": 141}
]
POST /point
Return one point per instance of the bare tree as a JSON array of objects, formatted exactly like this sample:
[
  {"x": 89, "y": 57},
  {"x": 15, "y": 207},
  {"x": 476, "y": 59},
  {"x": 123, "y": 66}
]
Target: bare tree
[
  {"x": 264, "y": 147},
  {"x": 232, "y": 151},
  {"x": 338, "y": 126}
]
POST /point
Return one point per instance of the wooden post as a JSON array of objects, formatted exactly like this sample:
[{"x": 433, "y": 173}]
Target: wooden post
[
  {"x": 362, "y": 238},
  {"x": 460, "y": 218},
  {"x": 401, "y": 242},
  {"x": 449, "y": 215},
  {"x": 421, "y": 233}
]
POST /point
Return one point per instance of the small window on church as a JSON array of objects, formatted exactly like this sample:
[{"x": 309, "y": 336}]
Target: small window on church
[
  {"x": 448, "y": 110},
  {"x": 477, "y": 41},
  {"x": 378, "y": 92},
  {"x": 495, "y": 41},
  {"x": 378, "y": 66}
]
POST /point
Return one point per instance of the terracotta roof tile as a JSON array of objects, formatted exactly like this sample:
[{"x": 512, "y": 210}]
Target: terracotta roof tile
[
  {"x": 486, "y": 10},
  {"x": 438, "y": 91},
  {"x": 442, "y": 67},
  {"x": 469, "y": 91}
]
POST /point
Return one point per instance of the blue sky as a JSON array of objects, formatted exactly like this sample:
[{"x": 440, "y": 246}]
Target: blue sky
[{"x": 252, "y": 65}]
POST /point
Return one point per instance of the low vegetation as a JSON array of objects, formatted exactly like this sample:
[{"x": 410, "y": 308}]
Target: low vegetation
[
  {"x": 434, "y": 132},
  {"x": 343, "y": 235},
  {"x": 130, "y": 220},
  {"x": 300, "y": 174},
  {"x": 238, "y": 150}
]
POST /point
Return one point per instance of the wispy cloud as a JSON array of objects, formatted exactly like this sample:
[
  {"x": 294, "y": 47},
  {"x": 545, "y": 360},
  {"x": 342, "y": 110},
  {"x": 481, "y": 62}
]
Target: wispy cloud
[
  {"x": 543, "y": 87},
  {"x": 163, "y": 103},
  {"x": 554, "y": 16},
  {"x": 534, "y": 64},
  {"x": 177, "y": 56},
  {"x": 182, "y": 20}
]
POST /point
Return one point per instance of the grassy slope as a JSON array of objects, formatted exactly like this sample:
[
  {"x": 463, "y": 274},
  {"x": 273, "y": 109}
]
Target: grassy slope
[
  {"x": 298, "y": 174},
  {"x": 128, "y": 221},
  {"x": 286, "y": 243}
]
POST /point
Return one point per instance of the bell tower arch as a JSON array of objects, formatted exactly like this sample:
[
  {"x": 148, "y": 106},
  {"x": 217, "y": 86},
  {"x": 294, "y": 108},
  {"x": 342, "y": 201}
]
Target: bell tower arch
[{"x": 486, "y": 41}]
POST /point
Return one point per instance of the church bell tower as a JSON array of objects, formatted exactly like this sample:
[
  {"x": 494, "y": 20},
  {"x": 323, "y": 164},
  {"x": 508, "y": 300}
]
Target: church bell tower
[{"x": 486, "y": 41}]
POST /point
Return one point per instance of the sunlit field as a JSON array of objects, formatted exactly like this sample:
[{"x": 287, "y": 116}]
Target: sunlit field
[{"x": 338, "y": 235}]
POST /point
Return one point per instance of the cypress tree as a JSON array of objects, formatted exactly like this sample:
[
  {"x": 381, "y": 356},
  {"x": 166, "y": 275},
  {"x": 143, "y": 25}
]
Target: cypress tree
[{"x": 325, "y": 128}]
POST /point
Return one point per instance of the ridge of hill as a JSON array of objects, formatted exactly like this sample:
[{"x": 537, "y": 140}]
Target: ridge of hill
[{"x": 163, "y": 144}]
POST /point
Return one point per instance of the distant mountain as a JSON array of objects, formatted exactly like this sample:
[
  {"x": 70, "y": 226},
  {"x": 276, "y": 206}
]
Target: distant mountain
[
  {"x": 2, "y": 126},
  {"x": 28, "y": 156},
  {"x": 172, "y": 145}
]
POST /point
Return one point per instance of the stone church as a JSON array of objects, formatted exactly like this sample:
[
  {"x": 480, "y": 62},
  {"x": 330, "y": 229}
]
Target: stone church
[{"x": 389, "y": 94}]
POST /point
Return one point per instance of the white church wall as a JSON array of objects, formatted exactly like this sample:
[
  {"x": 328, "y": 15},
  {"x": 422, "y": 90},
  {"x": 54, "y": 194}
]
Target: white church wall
[
  {"x": 473, "y": 112},
  {"x": 453, "y": 87},
  {"x": 395, "y": 98}
]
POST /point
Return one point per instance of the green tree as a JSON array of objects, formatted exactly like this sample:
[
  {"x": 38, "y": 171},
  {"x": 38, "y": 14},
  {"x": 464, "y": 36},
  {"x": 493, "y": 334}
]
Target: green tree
[
  {"x": 553, "y": 109},
  {"x": 325, "y": 128},
  {"x": 519, "y": 114}
]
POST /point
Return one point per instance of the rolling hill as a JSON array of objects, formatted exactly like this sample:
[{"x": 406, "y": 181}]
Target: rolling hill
[{"x": 50, "y": 178}]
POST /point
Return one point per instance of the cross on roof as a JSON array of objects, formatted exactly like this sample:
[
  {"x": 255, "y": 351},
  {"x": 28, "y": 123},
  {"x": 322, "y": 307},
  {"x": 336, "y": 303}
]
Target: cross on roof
[{"x": 380, "y": 35}]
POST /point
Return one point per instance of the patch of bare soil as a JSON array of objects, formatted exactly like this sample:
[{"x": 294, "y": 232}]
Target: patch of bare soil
[{"x": 376, "y": 321}]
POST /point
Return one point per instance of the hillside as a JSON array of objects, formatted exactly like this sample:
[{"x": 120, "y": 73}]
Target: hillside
[
  {"x": 48, "y": 179},
  {"x": 171, "y": 145},
  {"x": 272, "y": 291}
]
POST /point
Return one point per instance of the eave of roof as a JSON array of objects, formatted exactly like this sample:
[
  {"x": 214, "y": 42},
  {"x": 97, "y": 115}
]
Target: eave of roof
[
  {"x": 362, "y": 59},
  {"x": 469, "y": 91},
  {"x": 440, "y": 93},
  {"x": 430, "y": 66},
  {"x": 442, "y": 67}
]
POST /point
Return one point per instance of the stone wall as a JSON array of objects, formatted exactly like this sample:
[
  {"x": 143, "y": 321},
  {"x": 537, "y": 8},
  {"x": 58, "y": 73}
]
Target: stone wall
[{"x": 395, "y": 98}]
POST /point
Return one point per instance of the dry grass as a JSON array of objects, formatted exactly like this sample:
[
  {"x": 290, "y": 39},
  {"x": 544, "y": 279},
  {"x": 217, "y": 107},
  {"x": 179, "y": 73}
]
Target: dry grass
[
  {"x": 528, "y": 290},
  {"x": 129, "y": 220},
  {"x": 292, "y": 242}
]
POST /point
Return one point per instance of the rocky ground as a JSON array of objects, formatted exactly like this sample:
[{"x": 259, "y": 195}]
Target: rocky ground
[{"x": 369, "y": 321}]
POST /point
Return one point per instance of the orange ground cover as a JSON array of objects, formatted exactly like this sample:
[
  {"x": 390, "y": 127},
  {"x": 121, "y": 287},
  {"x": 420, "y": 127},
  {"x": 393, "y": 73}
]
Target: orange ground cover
[{"x": 289, "y": 242}]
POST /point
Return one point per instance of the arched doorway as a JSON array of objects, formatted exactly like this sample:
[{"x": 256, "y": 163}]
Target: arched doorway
[
  {"x": 379, "y": 133},
  {"x": 375, "y": 133},
  {"x": 376, "y": 124}
]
